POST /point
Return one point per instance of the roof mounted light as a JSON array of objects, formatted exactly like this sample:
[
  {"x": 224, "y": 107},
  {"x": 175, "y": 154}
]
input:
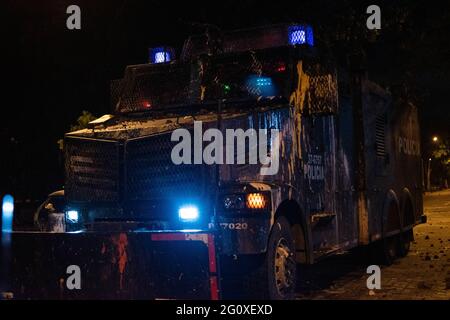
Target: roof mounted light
[
  {"x": 259, "y": 38},
  {"x": 161, "y": 54},
  {"x": 300, "y": 34}
]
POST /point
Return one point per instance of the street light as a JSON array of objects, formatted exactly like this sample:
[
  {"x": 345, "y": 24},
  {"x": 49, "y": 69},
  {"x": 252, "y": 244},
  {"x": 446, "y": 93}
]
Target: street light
[
  {"x": 435, "y": 140},
  {"x": 428, "y": 186}
]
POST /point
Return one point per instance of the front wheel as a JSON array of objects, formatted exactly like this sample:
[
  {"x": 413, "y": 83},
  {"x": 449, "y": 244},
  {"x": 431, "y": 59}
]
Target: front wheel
[
  {"x": 281, "y": 263},
  {"x": 273, "y": 276}
]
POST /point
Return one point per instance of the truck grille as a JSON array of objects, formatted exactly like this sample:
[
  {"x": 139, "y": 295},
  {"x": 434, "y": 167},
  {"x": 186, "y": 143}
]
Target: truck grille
[
  {"x": 152, "y": 175},
  {"x": 92, "y": 170},
  {"x": 99, "y": 170}
]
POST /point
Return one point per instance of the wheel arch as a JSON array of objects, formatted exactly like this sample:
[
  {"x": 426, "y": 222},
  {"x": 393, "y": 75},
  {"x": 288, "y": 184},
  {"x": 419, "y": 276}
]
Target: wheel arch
[
  {"x": 293, "y": 212},
  {"x": 391, "y": 221},
  {"x": 407, "y": 209}
]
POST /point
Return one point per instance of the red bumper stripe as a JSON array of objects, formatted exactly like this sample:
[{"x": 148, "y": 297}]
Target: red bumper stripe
[
  {"x": 214, "y": 288},
  {"x": 168, "y": 236},
  {"x": 212, "y": 254}
]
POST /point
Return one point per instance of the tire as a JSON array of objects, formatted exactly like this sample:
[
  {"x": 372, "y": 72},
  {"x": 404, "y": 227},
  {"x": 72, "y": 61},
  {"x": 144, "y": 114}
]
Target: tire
[
  {"x": 275, "y": 277},
  {"x": 405, "y": 243},
  {"x": 391, "y": 249},
  {"x": 385, "y": 251},
  {"x": 388, "y": 249}
]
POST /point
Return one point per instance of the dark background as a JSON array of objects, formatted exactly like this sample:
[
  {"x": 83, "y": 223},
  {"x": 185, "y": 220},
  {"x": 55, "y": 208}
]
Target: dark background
[{"x": 50, "y": 74}]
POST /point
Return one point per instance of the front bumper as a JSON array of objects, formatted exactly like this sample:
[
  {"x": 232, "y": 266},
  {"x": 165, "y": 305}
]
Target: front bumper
[{"x": 131, "y": 265}]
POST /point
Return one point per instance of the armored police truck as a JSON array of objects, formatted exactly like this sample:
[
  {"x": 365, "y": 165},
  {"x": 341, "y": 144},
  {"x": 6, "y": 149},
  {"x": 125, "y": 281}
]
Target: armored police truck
[{"x": 151, "y": 212}]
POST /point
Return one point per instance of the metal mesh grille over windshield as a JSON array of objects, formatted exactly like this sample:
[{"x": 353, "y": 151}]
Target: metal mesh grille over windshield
[{"x": 151, "y": 173}]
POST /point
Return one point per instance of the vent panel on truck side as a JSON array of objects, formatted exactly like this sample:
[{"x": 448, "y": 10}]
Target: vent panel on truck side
[{"x": 380, "y": 135}]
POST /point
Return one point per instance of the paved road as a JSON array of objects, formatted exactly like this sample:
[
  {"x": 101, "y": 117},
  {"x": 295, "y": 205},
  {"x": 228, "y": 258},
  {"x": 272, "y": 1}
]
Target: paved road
[{"x": 423, "y": 274}]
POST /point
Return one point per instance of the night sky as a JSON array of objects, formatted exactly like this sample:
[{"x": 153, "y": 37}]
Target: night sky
[{"x": 50, "y": 73}]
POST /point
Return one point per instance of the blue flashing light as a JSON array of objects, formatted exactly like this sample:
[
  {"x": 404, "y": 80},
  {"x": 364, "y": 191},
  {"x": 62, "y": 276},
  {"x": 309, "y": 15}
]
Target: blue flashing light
[
  {"x": 188, "y": 213},
  {"x": 297, "y": 37},
  {"x": 7, "y": 213},
  {"x": 300, "y": 34},
  {"x": 160, "y": 55},
  {"x": 309, "y": 36},
  {"x": 72, "y": 216},
  {"x": 264, "y": 82},
  {"x": 260, "y": 86}
]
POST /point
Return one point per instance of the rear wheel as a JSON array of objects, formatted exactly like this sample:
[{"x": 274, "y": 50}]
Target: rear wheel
[
  {"x": 388, "y": 249},
  {"x": 391, "y": 250},
  {"x": 405, "y": 243},
  {"x": 385, "y": 251}
]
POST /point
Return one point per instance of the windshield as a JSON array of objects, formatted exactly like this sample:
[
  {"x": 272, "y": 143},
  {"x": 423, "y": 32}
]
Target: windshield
[{"x": 154, "y": 86}]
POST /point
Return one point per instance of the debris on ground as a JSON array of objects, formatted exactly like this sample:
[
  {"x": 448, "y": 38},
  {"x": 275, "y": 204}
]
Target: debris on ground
[{"x": 423, "y": 285}]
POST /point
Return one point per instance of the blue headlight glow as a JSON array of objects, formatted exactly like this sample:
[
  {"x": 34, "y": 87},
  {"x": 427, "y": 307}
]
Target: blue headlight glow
[
  {"x": 301, "y": 34},
  {"x": 188, "y": 213},
  {"x": 72, "y": 216},
  {"x": 160, "y": 55}
]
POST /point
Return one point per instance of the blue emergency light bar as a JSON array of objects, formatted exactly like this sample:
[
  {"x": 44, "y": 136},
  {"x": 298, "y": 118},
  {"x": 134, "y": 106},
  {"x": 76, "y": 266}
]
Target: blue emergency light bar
[
  {"x": 254, "y": 39},
  {"x": 300, "y": 34},
  {"x": 161, "y": 55}
]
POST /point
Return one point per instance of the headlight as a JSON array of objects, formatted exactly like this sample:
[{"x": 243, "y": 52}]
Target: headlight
[
  {"x": 252, "y": 201},
  {"x": 234, "y": 201},
  {"x": 72, "y": 216},
  {"x": 188, "y": 213}
]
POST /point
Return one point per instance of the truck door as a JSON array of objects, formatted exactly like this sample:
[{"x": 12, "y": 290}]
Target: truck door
[
  {"x": 319, "y": 147},
  {"x": 316, "y": 103}
]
